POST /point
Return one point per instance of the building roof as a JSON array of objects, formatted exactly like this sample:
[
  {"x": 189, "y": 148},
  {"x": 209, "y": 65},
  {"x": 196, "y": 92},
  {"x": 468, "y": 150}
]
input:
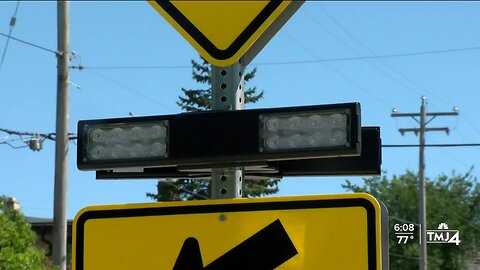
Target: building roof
[{"x": 38, "y": 221}]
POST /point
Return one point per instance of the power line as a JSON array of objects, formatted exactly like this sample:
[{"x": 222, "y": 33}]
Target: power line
[
  {"x": 50, "y": 136},
  {"x": 80, "y": 67},
  {"x": 338, "y": 39},
  {"x": 346, "y": 45},
  {"x": 29, "y": 43},
  {"x": 35, "y": 140},
  {"x": 403, "y": 220},
  {"x": 408, "y": 82},
  {"x": 470, "y": 123},
  {"x": 431, "y": 145},
  {"x": 462, "y": 135},
  {"x": 298, "y": 62},
  {"x": 341, "y": 59},
  {"x": 338, "y": 72},
  {"x": 137, "y": 93},
  {"x": 13, "y": 21},
  {"x": 454, "y": 157}
]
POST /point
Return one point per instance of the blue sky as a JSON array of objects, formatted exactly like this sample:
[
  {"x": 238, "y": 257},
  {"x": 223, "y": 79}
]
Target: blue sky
[{"x": 113, "y": 34}]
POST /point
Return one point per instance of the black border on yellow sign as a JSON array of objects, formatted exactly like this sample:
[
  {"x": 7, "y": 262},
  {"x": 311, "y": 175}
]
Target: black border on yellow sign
[
  {"x": 226, "y": 208},
  {"x": 205, "y": 43}
]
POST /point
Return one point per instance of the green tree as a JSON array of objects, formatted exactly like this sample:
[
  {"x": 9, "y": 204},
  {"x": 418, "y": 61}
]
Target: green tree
[
  {"x": 454, "y": 200},
  {"x": 17, "y": 241},
  {"x": 194, "y": 100}
]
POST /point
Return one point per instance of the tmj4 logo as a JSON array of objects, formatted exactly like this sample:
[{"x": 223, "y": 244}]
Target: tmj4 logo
[{"x": 443, "y": 235}]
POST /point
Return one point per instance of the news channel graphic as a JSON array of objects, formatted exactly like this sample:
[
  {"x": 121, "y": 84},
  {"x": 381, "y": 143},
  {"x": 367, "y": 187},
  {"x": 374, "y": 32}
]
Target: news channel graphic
[
  {"x": 410, "y": 232},
  {"x": 406, "y": 232}
]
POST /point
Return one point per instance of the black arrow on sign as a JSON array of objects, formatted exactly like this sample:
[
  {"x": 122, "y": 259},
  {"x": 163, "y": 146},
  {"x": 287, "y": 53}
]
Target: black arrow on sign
[{"x": 265, "y": 250}]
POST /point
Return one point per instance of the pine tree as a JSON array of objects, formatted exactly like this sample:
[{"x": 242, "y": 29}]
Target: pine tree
[{"x": 194, "y": 100}]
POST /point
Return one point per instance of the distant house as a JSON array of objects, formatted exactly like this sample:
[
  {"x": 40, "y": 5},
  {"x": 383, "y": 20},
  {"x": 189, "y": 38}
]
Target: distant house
[{"x": 43, "y": 227}]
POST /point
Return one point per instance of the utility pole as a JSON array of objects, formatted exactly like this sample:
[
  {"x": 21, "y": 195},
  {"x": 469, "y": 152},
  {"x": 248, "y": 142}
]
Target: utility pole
[
  {"x": 422, "y": 200},
  {"x": 227, "y": 95},
  {"x": 62, "y": 136}
]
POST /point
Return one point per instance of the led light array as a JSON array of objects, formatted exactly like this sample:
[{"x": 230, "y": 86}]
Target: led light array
[
  {"x": 217, "y": 138},
  {"x": 126, "y": 141},
  {"x": 305, "y": 130}
]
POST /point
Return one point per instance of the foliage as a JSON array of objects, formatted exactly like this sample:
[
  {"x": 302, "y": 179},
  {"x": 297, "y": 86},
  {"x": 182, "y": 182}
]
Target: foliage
[
  {"x": 454, "y": 200},
  {"x": 201, "y": 99},
  {"x": 194, "y": 100},
  {"x": 17, "y": 241},
  {"x": 199, "y": 189}
]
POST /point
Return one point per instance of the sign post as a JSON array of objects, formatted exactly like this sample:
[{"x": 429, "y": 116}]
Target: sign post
[
  {"x": 228, "y": 34},
  {"x": 227, "y": 95},
  {"x": 347, "y": 231}
]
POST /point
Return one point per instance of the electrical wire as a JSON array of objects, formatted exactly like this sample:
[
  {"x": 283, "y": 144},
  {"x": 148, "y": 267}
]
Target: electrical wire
[
  {"x": 371, "y": 52},
  {"x": 299, "y": 62},
  {"x": 31, "y": 44},
  {"x": 403, "y": 220},
  {"x": 431, "y": 145},
  {"x": 454, "y": 157},
  {"x": 464, "y": 137},
  {"x": 338, "y": 72},
  {"x": 461, "y": 134},
  {"x": 13, "y": 21},
  {"x": 13, "y": 146},
  {"x": 124, "y": 87},
  {"x": 50, "y": 136},
  {"x": 130, "y": 67},
  {"x": 469, "y": 122},
  {"x": 407, "y": 81},
  {"x": 342, "y": 59},
  {"x": 350, "y": 48}
]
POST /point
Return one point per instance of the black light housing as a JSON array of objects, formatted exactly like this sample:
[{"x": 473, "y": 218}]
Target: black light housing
[
  {"x": 367, "y": 163},
  {"x": 220, "y": 138}
]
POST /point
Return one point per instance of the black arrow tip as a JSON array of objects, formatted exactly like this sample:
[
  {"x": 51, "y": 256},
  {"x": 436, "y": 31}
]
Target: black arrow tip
[
  {"x": 190, "y": 257},
  {"x": 265, "y": 250}
]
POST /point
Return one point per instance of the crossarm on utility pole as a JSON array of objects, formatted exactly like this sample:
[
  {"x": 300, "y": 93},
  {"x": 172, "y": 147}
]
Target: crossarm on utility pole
[
  {"x": 417, "y": 130},
  {"x": 428, "y": 114}
]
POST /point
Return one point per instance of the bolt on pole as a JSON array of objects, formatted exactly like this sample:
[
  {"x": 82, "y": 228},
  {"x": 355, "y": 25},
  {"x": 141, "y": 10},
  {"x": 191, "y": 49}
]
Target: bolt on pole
[
  {"x": 228, "y": 95},
  {"x": 61, "y": 139}
]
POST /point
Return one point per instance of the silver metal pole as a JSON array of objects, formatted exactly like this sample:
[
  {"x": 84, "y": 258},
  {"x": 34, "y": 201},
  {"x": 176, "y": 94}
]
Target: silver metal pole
[
  {"x": 228, "y": 95},
  {"x": 422, "y": 204},
  {"x": 61, "y": 142}
]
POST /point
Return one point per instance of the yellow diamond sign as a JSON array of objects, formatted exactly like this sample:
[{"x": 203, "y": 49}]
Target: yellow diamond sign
[
  {"x": 345, "y": 231},
  {"x": 225, "y": 31}
]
